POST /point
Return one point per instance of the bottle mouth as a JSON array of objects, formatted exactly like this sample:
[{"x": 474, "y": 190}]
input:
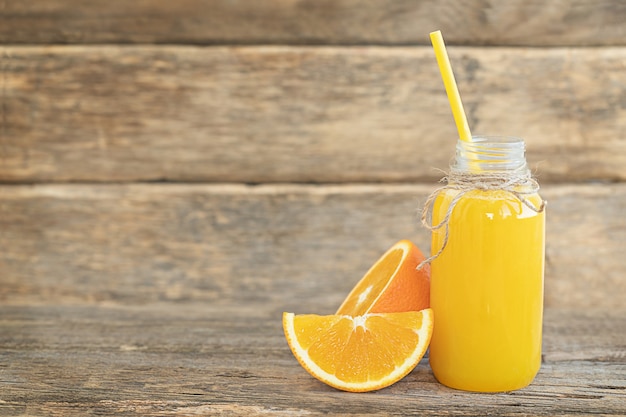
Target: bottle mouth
[
  {"x": 491, "y": 153},
  {"x": 494, "y": 139}
]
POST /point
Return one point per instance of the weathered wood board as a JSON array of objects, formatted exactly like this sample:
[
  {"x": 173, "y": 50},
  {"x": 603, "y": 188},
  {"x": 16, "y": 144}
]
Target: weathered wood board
[
  {"x": 231, "y": 359},
  {"x": 301, "y": 114},
  {"x": 142, "y": 243},
  {"x": 484, "y": 22}
]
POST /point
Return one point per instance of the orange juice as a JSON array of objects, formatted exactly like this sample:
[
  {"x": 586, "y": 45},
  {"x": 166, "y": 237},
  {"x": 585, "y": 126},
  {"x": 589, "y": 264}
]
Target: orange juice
[{"x": 487, "y": 290}]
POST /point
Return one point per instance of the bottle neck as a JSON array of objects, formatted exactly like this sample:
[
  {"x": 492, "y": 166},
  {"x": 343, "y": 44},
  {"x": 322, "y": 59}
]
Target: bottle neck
[{"x": 490, "y": 155}]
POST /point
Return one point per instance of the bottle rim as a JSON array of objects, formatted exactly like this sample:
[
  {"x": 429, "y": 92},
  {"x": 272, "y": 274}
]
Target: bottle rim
[
  {"x": 496, "y": 139},
  {"x": 491, "y": 153}
]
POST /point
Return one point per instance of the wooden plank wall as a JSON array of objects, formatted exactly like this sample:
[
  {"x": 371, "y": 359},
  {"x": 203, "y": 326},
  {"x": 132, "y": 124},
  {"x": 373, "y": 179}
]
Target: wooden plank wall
[{"x": 206, "y": 150}]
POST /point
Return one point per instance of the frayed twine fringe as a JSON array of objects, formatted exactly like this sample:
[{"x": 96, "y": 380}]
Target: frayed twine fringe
[{"x": 520, "y": 184}]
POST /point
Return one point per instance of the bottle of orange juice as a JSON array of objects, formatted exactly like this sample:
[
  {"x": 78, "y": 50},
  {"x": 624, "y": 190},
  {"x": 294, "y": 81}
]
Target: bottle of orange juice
[{"x": 487, "y": 271}]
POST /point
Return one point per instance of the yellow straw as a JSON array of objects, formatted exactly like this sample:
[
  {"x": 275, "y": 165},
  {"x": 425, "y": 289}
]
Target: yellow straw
[{"x": 450, "y": 84}]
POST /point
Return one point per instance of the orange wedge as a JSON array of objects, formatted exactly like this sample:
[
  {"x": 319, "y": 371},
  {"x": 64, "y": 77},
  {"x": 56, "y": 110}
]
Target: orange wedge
[
  {"x": 363, "y": 353},
  {"x": 393, "y": 284}
]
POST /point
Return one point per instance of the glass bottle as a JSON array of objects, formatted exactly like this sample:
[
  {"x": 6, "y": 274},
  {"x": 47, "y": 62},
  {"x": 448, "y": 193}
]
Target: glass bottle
[{"x": 487, "y": 275}]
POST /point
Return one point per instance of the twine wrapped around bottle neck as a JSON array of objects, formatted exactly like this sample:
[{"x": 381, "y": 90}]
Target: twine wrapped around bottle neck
[{"x": 517, "y": 182}]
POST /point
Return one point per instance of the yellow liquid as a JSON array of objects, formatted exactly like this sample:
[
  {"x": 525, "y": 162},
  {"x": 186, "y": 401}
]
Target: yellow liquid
[{"x": 487, "y": 292}]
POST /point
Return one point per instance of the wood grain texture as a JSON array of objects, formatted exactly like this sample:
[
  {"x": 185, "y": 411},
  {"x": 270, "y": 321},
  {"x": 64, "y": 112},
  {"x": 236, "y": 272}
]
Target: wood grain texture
[
  {"x": 231, "y": 359},
  {"x": 293, "y": 114},
  {"x": 391, "y": 22},
  {"x": 143, "y": 243}
]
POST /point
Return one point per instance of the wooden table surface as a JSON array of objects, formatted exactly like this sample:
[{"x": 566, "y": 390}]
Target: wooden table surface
[
  {"x": 228, "y": 359},
  {"x": 154, "y": 299}
]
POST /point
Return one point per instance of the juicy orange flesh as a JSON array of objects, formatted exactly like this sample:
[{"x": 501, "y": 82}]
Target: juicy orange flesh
[
  {"x": 358, "y": 349},
  {"x": 367, "y": 290}
]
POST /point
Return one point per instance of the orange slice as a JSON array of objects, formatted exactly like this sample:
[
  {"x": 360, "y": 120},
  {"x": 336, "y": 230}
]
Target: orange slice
[
  {"x": 393, "y": 284},
  {"x": 363, "y": 353}
]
